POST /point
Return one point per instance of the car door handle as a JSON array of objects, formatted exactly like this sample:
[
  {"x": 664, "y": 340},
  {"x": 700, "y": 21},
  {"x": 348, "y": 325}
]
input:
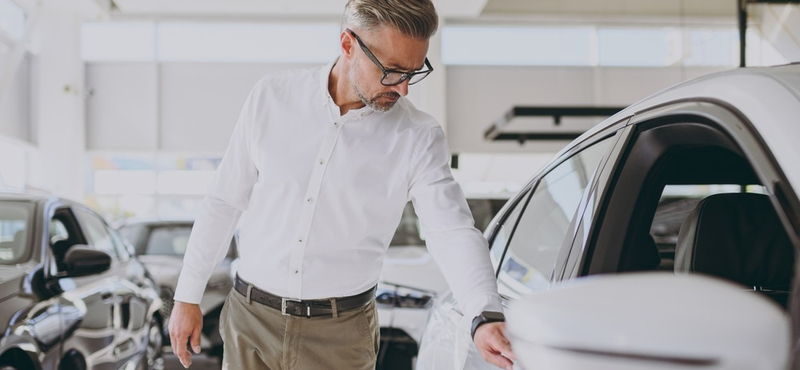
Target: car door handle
[{"x": 107, "y": 296}]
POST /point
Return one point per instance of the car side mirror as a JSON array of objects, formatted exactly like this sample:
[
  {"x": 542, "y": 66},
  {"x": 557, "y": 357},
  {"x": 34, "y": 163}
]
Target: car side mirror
[
  {"x": 82, "y": 260},
  {"x": 649, "y": 320}
]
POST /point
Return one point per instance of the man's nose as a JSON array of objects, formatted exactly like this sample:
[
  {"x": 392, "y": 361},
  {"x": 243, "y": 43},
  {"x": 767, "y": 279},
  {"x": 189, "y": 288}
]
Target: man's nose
[{"x": 401, "y": 88}]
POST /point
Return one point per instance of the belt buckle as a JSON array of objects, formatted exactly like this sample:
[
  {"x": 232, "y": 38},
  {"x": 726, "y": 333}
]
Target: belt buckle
[{"x": 283, "y": 305}]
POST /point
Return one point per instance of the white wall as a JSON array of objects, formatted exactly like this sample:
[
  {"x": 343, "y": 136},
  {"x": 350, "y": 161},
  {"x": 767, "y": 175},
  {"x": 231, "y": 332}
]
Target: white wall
[{"x": 193, "y": 106}]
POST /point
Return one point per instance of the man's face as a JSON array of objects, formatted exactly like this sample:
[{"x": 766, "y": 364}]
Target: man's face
[{"x": 394, "y": 51}]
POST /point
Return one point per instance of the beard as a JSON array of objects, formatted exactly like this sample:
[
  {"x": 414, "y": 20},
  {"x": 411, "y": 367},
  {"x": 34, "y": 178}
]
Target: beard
[{"x": 374, "y": 102}]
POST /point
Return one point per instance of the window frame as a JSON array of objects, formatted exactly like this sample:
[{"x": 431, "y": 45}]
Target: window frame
[
  {"x": 611, "y": 132},
  {"x": 718, "y": 116}
]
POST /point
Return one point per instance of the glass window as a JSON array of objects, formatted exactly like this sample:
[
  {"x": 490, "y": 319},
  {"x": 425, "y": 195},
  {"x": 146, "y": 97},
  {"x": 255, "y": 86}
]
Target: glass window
[
  {"x": 97, "y": 234},
  {"x": 119, "y": 244},
  {"x": 498, "y": 243},
  {"x": 57, "y": 231},
  {"x": 15, "y": 230},
  {"x": 168, "y": 240},
  {"x": 543, "y": 226}
]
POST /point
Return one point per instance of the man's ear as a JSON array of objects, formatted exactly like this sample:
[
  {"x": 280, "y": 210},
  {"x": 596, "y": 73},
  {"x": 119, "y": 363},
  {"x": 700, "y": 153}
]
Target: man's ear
[{"x": 346, "y": 44}]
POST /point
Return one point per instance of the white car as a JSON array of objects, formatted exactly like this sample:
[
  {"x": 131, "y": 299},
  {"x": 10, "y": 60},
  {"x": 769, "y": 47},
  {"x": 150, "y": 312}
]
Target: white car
[
  {"x": 663, "y": 238},
  {"x": 409, "y": 282}
]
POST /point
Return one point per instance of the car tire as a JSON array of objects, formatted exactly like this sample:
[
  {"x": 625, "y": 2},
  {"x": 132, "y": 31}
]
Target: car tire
[
  {"x": 155, "y": 345},
  {"x": 167, "y": 302},
  {"x": 7, "y": 367}
]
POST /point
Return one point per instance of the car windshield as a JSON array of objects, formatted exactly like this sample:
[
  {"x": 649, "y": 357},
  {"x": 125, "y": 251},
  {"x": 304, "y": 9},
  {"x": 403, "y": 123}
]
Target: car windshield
[
  {"x": 15, "y": 231},
  {"x": 170, "y": 240},
  {"x": 409, "y": 233}
]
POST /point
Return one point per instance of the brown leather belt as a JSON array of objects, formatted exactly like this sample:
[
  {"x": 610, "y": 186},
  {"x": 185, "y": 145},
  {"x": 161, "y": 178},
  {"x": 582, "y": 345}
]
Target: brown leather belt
[{"x": 304, "y": 308}]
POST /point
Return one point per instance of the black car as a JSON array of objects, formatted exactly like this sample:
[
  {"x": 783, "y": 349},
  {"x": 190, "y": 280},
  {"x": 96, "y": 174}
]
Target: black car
[{"x": 72, "y": 296}]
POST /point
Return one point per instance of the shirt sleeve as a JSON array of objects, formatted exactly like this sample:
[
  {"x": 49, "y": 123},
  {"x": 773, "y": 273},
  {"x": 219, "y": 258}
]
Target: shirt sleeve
[
  {"x": 459, "y": 249},
  {"x": 227, "y": 198}
]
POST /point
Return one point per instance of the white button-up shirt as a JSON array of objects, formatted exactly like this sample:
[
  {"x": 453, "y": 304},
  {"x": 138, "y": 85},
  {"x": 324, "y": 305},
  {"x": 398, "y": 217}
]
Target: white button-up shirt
[{"x": 322, "y": 195}]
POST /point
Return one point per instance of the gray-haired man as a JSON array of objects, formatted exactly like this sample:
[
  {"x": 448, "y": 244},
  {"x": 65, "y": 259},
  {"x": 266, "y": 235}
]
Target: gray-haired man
[{"x": 323, "y": 161}]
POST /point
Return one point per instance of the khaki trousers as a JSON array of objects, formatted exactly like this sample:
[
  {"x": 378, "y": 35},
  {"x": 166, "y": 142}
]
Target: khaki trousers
[{"x": 258, "y": 337}]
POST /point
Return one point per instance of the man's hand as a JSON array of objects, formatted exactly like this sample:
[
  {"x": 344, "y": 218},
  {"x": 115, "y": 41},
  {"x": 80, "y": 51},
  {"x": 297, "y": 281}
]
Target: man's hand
[
  {"x": 185, "y": 323},
  {"x": 493, "y": 345}
]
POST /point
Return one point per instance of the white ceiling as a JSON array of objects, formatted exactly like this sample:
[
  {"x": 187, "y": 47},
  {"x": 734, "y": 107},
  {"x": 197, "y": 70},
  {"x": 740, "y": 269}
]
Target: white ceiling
[
  {"x": 269, "y": 8},
  {"x": 615, "y": 8},
  {"x": 453, "y": 9}
]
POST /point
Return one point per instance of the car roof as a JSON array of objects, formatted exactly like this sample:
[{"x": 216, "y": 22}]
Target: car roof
[{"x": 769, "y": 97}]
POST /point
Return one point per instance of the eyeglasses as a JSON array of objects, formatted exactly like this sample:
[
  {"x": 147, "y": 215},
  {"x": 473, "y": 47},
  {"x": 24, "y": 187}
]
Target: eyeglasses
[{"x": 393, "y": 77}]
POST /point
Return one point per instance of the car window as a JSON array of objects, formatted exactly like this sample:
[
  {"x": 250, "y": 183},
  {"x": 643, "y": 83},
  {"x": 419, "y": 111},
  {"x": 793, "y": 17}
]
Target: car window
[
  {"x": 15, "y": 229},
  {"x": 543, "y": 226},
  {"x": 57, "y": 231},
  {"x": 503, "y": 231},
  {"x": 97, "y": 234},
  {"x": 168, "y": 240},
  {"x": 119, "y": 244}
]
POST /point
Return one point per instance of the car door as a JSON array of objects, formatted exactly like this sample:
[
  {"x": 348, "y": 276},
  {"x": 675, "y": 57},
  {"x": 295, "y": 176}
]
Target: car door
[
  {"x": 131, "y": 303},
  {"x": 89, "y": 311},
  {"x": 529, "y": 245},
  {"x": 672, "y": 158}
]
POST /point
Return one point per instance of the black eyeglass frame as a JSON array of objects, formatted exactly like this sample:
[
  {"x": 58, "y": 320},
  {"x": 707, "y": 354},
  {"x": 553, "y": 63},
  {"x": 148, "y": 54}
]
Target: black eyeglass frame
[{"x": 403, "y": 75}]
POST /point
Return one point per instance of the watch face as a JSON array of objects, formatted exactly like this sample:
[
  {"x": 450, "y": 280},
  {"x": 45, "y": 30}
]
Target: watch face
[{"x": 491, "y": 316}]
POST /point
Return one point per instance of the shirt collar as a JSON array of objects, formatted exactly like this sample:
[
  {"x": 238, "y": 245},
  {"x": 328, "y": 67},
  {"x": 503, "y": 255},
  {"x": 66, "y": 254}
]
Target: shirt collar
[{"x": 324, "y": 75}]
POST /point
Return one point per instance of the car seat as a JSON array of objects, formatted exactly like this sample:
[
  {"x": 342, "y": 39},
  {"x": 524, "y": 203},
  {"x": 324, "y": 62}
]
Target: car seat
[{"x": 738, "y": 237}]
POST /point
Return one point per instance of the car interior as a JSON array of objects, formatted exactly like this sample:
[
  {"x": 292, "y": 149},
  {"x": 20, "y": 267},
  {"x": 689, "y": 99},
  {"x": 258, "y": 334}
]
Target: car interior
[{"x": 696, "y": 205}]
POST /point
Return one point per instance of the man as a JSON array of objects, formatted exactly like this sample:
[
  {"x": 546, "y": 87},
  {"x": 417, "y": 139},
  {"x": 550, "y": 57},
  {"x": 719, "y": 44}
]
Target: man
[{"x": 324, "y": 160}]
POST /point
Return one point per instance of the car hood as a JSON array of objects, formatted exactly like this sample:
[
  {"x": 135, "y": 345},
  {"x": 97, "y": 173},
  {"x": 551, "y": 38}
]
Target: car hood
[
  {"x": 412, "y": 267},
  {"x": 10, "y": 280}
]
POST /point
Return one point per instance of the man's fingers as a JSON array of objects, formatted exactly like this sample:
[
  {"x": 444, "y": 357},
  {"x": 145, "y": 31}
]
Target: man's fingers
[
  {"x": 499, "y": 361},
  {"x": 493, "y": 345},
  {"x": 194, "y": 340},
  {"x": 178, "y": 338}
]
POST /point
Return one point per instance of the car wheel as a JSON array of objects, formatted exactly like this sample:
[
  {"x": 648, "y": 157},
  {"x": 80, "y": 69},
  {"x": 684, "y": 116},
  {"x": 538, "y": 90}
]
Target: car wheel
[
  {"x": 155, "y": 345},
  {"x": 166, "y": 309},
  {"x": 7, "y": 367}
]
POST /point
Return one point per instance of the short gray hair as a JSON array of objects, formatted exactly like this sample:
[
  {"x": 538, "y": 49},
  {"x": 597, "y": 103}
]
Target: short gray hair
[{"x": 413, "y": 18}]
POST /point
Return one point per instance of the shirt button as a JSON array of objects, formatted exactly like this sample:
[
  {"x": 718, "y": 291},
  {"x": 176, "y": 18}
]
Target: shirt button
[
  {"x": 296, "y": 271},
  {"x": 336, "y": 124},
  {"x": 300, "y": 240},
  {"x": 310, "y": 200},
  {"x": 321, "y": 161}
]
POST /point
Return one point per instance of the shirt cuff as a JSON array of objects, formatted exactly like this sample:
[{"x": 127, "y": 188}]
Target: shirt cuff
[
  {"x": 486, "y": 302},
  {"x": 189, "y": 289}
]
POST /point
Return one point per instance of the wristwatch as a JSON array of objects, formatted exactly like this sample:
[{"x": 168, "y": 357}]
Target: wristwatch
[{"x": 484, "y": 318}]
